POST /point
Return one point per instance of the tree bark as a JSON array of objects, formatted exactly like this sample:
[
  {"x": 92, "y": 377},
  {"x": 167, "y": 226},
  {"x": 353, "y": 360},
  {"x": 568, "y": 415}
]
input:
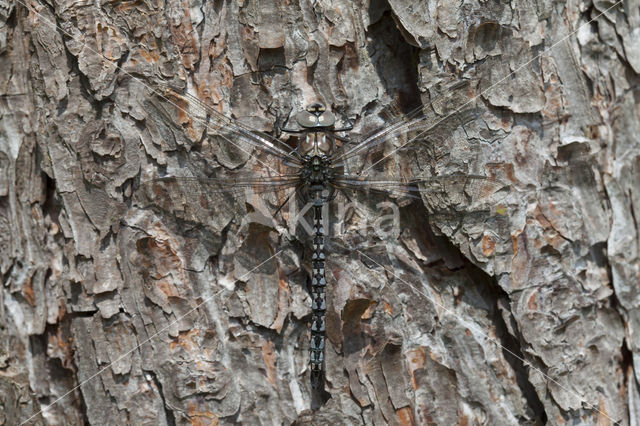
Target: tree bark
[{"x": 116, "y": 312}]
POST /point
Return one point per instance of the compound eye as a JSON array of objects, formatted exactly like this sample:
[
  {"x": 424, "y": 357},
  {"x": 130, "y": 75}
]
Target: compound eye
[
  {"x": 306, "y": 119},
  {"x": 327, "y": 119}
]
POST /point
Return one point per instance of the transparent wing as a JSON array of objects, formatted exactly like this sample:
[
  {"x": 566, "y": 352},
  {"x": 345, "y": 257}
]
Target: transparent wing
[
  {"x": 206, "y": 200},
  {"x": 233, "y": 139},
  {"x": 444, "y": 194},
  {"x": 472, "y": 210},
  {"x": 421, "y": 133}
]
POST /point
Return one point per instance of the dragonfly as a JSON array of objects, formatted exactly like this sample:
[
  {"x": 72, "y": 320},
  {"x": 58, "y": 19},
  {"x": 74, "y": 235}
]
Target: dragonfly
[{"x": 318, "y": 162}]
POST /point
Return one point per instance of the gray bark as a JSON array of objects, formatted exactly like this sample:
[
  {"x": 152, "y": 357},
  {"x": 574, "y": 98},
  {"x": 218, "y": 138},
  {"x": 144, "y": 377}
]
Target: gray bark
[{"x": 524, "y": 315}]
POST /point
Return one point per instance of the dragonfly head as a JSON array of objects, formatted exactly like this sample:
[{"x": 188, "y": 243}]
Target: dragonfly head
[{"x": 315, "y": 116}]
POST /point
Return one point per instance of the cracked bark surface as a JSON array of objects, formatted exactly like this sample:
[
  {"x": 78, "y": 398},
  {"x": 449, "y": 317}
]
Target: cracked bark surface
[{"x": 527, "y": 315}]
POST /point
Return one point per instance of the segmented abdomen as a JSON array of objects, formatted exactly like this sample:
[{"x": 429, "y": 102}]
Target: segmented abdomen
[{"x": 318, "y": 284}]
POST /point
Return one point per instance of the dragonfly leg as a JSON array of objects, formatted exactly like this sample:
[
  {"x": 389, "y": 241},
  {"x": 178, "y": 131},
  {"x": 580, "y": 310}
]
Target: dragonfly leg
[{"x": 348, "y": 127}]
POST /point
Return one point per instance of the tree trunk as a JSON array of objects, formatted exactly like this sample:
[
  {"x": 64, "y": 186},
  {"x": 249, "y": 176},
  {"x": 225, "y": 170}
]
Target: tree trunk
[{"x": 116, "y": 312}]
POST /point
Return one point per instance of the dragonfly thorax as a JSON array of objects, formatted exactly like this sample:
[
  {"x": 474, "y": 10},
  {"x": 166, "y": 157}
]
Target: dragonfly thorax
[
  {"x": 315, "y": 143},
  {"x": 315, "y": 173}
]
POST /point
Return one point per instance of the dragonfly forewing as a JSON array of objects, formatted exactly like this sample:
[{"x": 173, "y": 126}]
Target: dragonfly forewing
[
  {"x": 423, "y": 127},
  {"x": 200, "y": 120}
]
